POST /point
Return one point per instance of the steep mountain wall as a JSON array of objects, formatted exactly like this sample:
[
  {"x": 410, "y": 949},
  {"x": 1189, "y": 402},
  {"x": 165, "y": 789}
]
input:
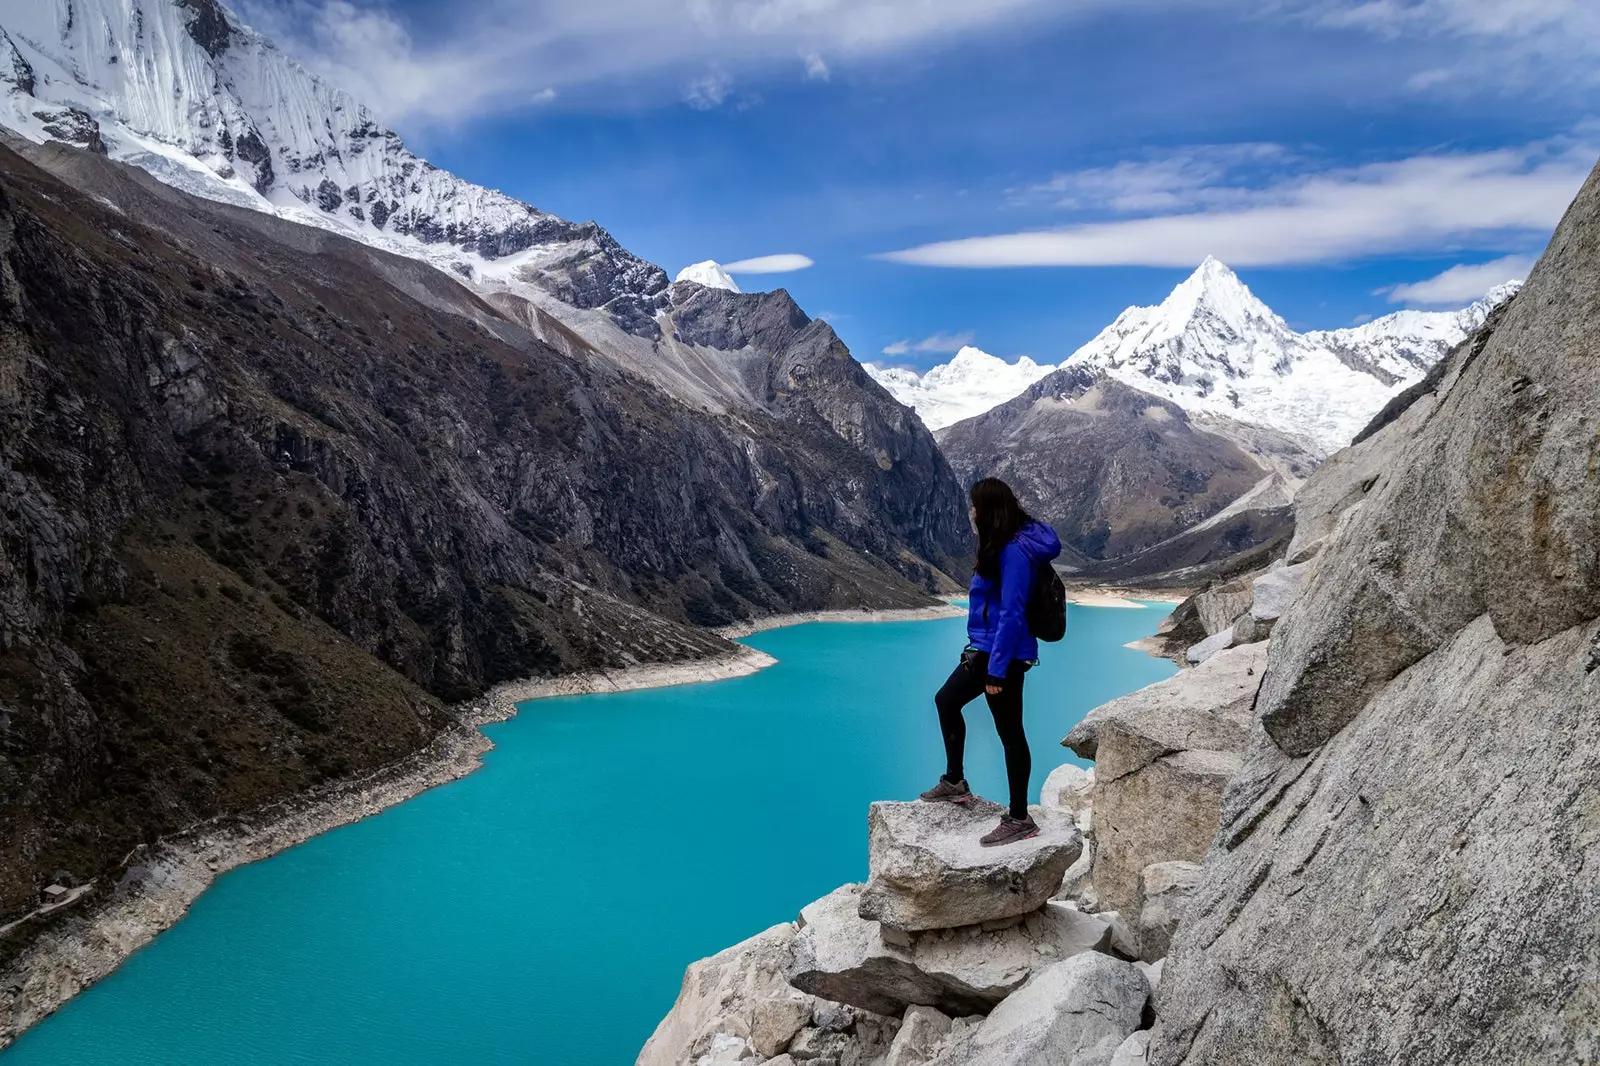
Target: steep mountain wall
[
  {"x": 1408, "y": 866},
  {"x": 273, "y": 495}
]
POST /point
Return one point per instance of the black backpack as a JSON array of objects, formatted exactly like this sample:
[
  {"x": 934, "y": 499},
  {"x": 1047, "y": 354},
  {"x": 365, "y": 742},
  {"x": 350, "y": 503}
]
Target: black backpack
[{"x": 1047, "y": 605}]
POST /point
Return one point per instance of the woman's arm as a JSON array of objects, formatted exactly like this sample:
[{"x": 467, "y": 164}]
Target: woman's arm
[{"x": 1016, "y": 581}]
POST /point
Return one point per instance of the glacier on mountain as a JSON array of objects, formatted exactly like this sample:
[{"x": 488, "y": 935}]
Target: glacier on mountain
[{"x": 1213, "y": 348}]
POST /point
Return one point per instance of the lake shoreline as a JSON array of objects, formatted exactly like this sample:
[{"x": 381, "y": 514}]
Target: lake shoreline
[{"x": 160, "y": 882}]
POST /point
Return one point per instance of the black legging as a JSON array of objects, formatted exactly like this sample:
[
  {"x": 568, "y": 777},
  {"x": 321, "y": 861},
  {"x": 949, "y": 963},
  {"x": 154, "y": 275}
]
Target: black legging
[{"x": 967, "y": 684}]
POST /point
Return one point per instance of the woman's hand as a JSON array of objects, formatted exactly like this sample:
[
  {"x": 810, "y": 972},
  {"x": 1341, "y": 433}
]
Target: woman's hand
[{"x": 993, "y": 689}]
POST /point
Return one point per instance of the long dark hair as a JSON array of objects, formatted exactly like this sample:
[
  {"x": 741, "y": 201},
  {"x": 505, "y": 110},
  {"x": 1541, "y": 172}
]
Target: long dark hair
[{"x": 998, "y": 516}]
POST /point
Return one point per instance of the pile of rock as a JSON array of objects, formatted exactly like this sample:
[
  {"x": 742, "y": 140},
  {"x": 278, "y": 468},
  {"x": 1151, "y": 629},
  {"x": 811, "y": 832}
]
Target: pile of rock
[{"x": 951, "y": 954}]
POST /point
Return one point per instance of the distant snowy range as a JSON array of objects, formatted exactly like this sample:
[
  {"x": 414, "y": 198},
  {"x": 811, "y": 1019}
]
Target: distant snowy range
[{"x": 1214, "y": 349}]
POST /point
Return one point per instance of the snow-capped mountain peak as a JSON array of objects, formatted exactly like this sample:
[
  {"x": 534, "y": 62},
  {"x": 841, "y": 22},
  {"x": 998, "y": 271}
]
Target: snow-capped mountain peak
[
  {"x": 1214, "y": 291},
  {"x": 969, "y": 384},
  {"x": 188, "y": 92},
  {"x": 1213, "y": 347},
  {"x": 710, "y": 274}
]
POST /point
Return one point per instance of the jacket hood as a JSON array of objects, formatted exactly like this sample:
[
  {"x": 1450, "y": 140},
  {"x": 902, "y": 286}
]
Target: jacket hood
[{"x": 1038, "y": 542}]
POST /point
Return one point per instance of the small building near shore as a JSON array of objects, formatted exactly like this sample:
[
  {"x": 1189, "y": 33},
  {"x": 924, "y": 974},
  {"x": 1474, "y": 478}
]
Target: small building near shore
[{"x": 53, "y": 894}]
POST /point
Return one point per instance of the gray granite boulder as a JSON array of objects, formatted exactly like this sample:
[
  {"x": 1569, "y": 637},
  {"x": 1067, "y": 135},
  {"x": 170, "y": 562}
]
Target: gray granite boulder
[
  {"x": 776, "y": 1019},
  {"x": 1163, "y": 757},
  {"x": 1276, "y": 590},
  {"x": 718, "y": 997},
  {"x": 928, "y": 871},
  {"x": 1164, "y": 891},
  {"x": 1133, "y": 1051},
  {"x": 1070, "y": 787},
  {"x": 921, "y": 1030},
  {"x": 1210, "y": 647},
  {"x": 1219, "y": 605},
  {"x": 841, "y": 956},
  {"x": 1073, "y": 1013}
]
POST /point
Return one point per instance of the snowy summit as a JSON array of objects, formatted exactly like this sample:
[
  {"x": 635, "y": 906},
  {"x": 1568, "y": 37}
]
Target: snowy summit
[
  {"x": 1212, "y": 347},
  {"x": 710, "y": 274},
  {"x": 968, "y": 385}
]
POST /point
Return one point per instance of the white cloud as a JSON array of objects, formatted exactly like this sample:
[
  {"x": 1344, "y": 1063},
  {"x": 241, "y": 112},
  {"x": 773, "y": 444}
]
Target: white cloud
[
  {"x": 1528, "y": 44},
  {"x": 1461, "y": 283},
  {"x": 708, "y": 91},
  {"x": 491, "y": 50},
  {"x": 770, "y": 264},
  {"x": 939, "y": 343},
  {"x": 1189, "y": 176},
  {"x": 494, "y": 48},
  {"x": 1493, "y": 199}
]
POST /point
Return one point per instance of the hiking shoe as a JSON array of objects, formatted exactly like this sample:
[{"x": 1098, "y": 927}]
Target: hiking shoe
[
  {"x": 1009, "y": 831},
  {"x": 948, "y": 792}
]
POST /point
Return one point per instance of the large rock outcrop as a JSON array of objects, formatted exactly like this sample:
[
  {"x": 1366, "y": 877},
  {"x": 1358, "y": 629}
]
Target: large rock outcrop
[
  {"x": 841, "y": 956},
  {"x": 1163, "y": 756},
  {"x": 1408, "y": 867},
  {"x": 928, "y": 871}
]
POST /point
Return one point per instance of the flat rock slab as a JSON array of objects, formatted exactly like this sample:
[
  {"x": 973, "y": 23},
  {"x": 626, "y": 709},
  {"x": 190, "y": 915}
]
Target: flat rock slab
[
  {"x": 928, "y": 871},
  {"x": 841, "y": 956}
]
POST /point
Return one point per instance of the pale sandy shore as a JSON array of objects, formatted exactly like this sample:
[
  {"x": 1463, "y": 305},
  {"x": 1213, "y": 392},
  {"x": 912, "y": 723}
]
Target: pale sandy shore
[
  {"x": 907, "y": 614},
  {"x": 1121, "y": 597},
  {"x": 160, "y": 882}
]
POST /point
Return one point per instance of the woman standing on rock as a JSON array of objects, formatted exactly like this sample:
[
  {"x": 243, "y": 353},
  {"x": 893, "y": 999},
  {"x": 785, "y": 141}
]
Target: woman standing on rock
[{"x": 1012, "y": 547}]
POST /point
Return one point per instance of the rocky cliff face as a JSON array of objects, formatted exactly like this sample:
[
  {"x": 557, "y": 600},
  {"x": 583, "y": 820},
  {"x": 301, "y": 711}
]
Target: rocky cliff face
[
  {"x": 1406, "y": 864},
  {"x": 1115, "y": 470},
  {"x": 273, "y": 495}
]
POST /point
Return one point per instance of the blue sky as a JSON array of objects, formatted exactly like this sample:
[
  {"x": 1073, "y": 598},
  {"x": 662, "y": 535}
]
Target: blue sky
[{"x": 1010, "y": 173}]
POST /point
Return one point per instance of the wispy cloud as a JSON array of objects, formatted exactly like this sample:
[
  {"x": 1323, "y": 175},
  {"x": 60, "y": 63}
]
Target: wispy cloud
[
  {"x": 493, "y": 55},
  {"x": 1496, "y": 200},
  {"x": 1467, "y": 281},
  {"x": 784, "y": 263},
  {"x": 1539, "y": 44},
  {"x": 708, "y": 91},
  {"x": 1190, "y": 176},
  {"x": 492, "y": 49},
  {"x": 938, "y": 344}
]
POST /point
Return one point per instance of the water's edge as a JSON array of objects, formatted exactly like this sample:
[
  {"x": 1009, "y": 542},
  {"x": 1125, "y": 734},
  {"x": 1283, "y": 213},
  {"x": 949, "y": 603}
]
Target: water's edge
[{"x": 161, "y": 882}]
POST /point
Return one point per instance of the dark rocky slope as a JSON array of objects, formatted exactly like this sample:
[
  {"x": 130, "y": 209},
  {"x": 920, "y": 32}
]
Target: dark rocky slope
[
  {"x": 1408, "y": 865},
  {"x": 272, "y": 497},
  {"x": 1115, "y": 470}
]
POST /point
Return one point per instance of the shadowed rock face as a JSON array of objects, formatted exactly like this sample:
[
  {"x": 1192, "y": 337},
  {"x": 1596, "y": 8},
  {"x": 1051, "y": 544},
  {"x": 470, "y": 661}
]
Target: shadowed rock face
[
  {"x": 1407, "y": 864},
  {"x": 272, "y": 496},
  {"x": 1115, "y": 470}
]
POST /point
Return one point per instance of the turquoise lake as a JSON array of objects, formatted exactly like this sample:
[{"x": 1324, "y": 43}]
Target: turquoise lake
[{"x": 542, "y": 910}]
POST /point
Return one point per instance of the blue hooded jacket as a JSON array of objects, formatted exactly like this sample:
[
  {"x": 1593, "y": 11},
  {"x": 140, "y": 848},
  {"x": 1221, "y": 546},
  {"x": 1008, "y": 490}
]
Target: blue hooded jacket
[{"x": 997, "y": 617}]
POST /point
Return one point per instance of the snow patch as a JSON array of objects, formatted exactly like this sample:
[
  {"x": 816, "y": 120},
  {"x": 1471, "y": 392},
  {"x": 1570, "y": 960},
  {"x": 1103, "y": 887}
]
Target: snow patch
[{"x": 710, "y": 274}]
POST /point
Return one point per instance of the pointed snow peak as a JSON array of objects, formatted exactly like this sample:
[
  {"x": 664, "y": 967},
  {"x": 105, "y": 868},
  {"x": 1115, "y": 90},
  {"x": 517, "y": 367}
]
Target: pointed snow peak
[
  {"x": 710, "y": 274},
  {"x": 1214, "y": 292}
]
